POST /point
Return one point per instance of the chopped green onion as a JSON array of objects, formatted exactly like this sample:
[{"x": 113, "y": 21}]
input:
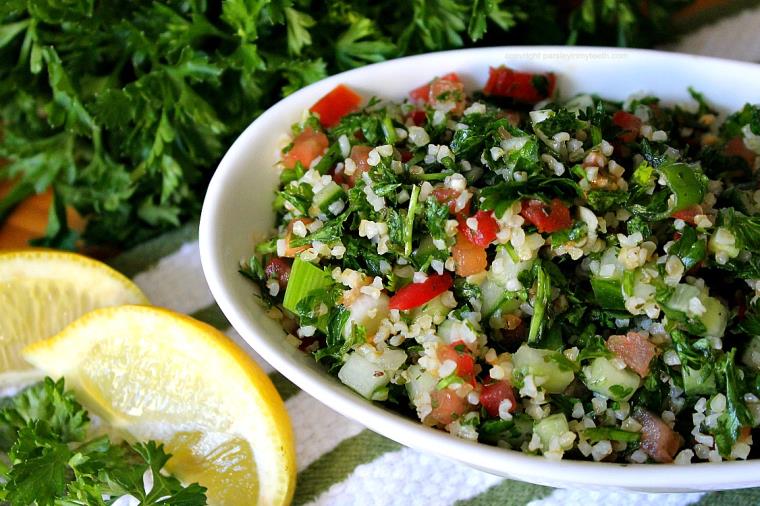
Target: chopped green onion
[
  {"x": 304, "y": 278},
  {"x": 596, "y": 434},
  {"x": 409, "y": 224},
  {"x": 543, "y": 289}
]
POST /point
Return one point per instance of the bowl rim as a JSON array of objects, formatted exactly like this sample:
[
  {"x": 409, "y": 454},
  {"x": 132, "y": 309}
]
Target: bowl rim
[{"x": 701, "y": 476}]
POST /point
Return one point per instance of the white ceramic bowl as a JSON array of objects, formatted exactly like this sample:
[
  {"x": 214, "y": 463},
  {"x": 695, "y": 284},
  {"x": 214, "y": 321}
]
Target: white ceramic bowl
[{"x": 237, "y": 208}]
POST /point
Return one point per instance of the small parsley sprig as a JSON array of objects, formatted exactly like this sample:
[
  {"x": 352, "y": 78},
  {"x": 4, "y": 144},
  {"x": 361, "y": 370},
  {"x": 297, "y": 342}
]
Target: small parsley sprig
[{"x": 43, "y": 431}]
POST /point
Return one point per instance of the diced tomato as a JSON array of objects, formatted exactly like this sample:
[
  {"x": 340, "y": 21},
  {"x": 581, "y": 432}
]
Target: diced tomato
[
  {"x": 658, "y": 440},
  {"x": 459, "y": 353},
  {"x": 442, "y": 90},
  {"x": 688, "y": 214},
  {"x": 630, "y": 124},
  {"x": 558, "y": 217},
  {"x": 291, "y": 252},
  {"x": 493, "y": 394},
  {"x": 736, "y": 147},
  {"x": 279, "y": 269},
  {"x": 338, "y": 175},
  {"x": 336, "y": 104},
  {"x": 359, "y": 155},
  {"x": 449, "y": 196},
  {"x": 406, "y": 155},
  {"x": 486, "y": 231},
  {"x": 417, "y": 294},
  {"x": 469, "y": 258},
  {"x": 521, "y": 86},
  {"x": 306, "y": 147},
  {"x": 634, "y": 349},
  {"x": 419, "y": 117},
  {"x": 422, "y": 94},
  {"x": 447, "y": 406}
]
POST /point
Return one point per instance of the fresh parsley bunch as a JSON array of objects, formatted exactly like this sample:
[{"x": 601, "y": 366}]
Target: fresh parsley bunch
[
  {"x": 124, "y": 107},
  {"x": 43, "y": 431}
]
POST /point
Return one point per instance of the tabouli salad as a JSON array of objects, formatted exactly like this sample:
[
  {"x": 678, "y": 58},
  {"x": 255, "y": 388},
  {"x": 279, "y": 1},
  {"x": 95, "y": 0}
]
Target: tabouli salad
[{"x": 566, "y": 278}]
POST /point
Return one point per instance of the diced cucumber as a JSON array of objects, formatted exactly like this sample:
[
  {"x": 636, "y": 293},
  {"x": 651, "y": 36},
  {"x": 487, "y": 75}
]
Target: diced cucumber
[
  {"x": 368, "y": 312},
  {"x": 697, "y": 383},
  {"x": 390, "y": 359},
  {"x": 304, "y": 278},
  {"x": 552, "y": 427},
  {"x": 715, "y": 317},
  {"x": 433, "y": 308},
  {"x": 604, "y": 378},
  {"x": 328, "y": 195},
  {"x": 608, "y": 293},
  {"x": 419, "y": 382},
  {"x": 362, "y": 375},
  {"x": 751, "y": 356},
  {"x": 682, "y": 294},
  {"x": 547, "y": 372},
  {"x": 452, "y": 331},
  {"x": 494, "y": 297},
  {"x": 425, "y": 250}
]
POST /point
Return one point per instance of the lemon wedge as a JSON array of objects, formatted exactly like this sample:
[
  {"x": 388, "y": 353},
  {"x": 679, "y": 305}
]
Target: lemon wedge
[
  {"x": 150, "y": 373},
  {"x": 42, "y": 291}
]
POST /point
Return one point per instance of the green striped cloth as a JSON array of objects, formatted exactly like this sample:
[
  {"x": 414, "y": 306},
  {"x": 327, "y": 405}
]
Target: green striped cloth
[{"x": 340, "y": 462}]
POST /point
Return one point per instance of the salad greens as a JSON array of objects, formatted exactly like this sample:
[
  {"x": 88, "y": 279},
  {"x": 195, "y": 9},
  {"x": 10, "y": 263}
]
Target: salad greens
[
  {"x": 50, "y": 460},
  {"x": 124, "y": 107},
  {"x": 563, "y": 277}
]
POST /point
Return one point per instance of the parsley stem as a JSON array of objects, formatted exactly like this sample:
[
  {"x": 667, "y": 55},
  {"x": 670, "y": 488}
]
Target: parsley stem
[{"x": 409, "y": 225}]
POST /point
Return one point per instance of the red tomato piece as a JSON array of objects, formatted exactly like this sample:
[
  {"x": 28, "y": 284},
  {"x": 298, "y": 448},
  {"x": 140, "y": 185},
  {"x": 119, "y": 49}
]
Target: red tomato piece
[
  {"x": 630, "y": 124},
  {"x": 278, "y": 269},
  {"x": 521, "y": 86},
  {"x": 419, "y": 117},
  {"x": 291, "y": 252},
  {"x": 468, "y": 257},
  {"x": 736, "y": 147},
  {"x": 441, "y": 90},
  {"x": 558, "y": 217},
  {"x": 336, "y": 104},
  {"x": 417, "y": 294},
  {"x": 447, "y": 406},
  {"x": 422, "y": 94},
  {"x": 306, "y": 147},
  {"x": 449, "y": 197},
  {"x": 492, "y": 395},
  {"x": 688, "y": 214},
  {"x": 459, "y": 353},
  {"x": 359, "y": 155},
  {"x": 486, "y": 232},
  {"x": 658, "y": 440},
  {"x": 634, "y": 349}
]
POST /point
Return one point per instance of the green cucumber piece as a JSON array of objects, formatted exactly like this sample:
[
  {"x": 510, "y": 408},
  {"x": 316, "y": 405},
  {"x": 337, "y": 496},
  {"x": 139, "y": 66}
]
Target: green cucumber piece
[
  {"x": 715, "y": 317},
  {"x": 682, "y": 294},
  {"x": 604, "y": 378},
  {"x": 362, "y": 375},
  {"x": 328, "y": 195},
  {"x": 541, "y": 364},
  {"x": 494, "y": 297},
  {"x": 695, "y": 382},
  {"x": 433, "y": 308},
  {"x": 552, "y": 427}
]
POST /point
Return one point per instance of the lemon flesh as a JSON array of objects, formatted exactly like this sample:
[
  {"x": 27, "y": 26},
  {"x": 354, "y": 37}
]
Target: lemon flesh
[
  {"x": 154, "y": 374},
  {"x": 43, "y": 291}
]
